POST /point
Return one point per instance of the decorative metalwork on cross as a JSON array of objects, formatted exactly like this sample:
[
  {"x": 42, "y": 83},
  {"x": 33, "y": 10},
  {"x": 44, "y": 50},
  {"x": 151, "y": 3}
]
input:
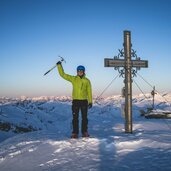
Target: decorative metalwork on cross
[{"x": 127, "y": 68}]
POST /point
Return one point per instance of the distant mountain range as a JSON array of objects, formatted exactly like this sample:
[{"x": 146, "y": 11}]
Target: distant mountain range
[{"x": 18, "y": 115}]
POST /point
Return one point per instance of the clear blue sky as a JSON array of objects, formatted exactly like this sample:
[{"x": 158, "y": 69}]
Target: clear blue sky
[{"x": 34, "y": 32}]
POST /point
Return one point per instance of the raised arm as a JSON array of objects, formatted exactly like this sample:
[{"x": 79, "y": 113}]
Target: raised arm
[{"x": 63, "y": 74}]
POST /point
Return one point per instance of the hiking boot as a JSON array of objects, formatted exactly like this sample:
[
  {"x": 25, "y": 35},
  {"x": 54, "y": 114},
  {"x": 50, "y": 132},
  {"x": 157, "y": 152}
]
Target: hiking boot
[
  {"x": 85, "y": 134},
  {"x": 74, "y": 135}
]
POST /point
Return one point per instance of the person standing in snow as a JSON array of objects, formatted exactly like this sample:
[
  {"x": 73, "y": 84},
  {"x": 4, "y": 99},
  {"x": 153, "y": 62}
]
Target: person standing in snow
[{"x": 82, "y": 98}]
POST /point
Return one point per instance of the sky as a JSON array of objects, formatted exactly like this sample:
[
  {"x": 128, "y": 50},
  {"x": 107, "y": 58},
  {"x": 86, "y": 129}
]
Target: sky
[{"x": 33, "y": 33}]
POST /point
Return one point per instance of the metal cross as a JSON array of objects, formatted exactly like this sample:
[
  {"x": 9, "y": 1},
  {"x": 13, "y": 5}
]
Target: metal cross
[{"x": 128, "y": 70}]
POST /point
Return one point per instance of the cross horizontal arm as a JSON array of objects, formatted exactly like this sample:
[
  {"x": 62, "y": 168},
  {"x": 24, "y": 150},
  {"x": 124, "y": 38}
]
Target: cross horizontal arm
[
  {"x": 139, "y": 63},
  {"x": 114, "y": 62},
  {"x": 122, "y": 63}
]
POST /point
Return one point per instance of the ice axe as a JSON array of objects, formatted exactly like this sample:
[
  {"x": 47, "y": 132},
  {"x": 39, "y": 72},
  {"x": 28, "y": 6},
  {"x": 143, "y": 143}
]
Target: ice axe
[{"x": 62, "y": 60}]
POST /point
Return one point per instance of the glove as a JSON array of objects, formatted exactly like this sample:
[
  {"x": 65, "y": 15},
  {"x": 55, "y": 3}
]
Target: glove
[
  {"x": 58, "y": 63},
  {"x": 90, "y": 105}
]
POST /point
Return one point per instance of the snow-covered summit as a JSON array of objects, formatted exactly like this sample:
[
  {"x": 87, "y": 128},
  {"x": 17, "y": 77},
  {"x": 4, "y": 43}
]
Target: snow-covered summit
[
  {"x": 35, "y": 136},
  {"x": 24, "y": 114}
]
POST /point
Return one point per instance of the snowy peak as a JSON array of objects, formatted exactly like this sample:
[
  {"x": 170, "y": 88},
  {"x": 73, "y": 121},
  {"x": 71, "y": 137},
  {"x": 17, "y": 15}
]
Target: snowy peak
[{"x": 18, "y": 115}]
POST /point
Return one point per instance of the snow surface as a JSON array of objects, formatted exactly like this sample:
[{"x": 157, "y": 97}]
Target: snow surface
[{"x": 108, "y": 149}]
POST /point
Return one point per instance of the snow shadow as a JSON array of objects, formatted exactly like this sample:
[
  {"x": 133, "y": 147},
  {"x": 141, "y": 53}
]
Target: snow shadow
[
  {"x": 141, "y": 150},
  {"x": 147, "y": 148},
  {"x": 145, "y": 159}
]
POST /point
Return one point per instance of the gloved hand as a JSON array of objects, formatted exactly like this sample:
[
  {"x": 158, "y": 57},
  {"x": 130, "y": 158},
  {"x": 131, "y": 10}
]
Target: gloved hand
[
  {"x": 90, "y": 105},
  {"x": 58, "y": 63}
]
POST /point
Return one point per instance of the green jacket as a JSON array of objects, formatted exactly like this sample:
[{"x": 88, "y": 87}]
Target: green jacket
[{"x": 81, "y": 86}]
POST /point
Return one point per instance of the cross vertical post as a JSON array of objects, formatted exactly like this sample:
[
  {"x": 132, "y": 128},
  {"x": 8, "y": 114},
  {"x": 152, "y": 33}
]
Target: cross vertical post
[{"x": 128, "y": 82}]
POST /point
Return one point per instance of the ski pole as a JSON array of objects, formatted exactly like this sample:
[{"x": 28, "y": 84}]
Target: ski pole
[{"x": 62, "y": 60}]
